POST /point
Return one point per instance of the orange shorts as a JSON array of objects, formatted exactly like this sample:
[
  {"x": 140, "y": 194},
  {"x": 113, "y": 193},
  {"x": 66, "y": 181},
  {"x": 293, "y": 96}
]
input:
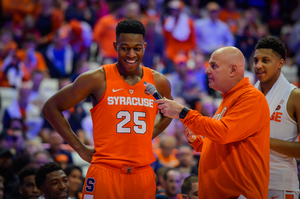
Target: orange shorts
[{"x": 103, "y": 181}]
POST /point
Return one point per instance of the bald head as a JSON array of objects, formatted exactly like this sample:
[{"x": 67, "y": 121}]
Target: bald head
[
  {"x": 226, "y": 69},
  {"x": 232, "y": 56}
]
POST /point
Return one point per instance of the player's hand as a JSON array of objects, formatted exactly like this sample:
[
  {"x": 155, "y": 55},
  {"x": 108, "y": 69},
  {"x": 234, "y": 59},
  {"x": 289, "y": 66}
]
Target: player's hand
[
  {"x": 190, "y": 136},
  {"x": 87, "y": 153}
]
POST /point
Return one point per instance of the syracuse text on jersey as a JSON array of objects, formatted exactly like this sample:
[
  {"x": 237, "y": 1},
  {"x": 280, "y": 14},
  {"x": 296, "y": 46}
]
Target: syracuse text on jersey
[{"x": 134, "y": 101}]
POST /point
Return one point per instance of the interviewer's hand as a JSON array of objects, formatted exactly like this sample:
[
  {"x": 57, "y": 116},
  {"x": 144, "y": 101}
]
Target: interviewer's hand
[
  {"x": 169, "y": 108},
  {"x": 190, "y": 136}
]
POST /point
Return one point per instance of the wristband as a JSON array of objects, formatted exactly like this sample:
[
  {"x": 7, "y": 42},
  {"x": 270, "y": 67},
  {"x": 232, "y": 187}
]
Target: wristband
[{"x": 183, "y": 113}]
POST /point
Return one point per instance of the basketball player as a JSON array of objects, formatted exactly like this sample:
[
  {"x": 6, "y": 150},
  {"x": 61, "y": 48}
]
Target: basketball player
[
  {"x": 123, "y": 117},
  {"x": 284, "y": 103}
]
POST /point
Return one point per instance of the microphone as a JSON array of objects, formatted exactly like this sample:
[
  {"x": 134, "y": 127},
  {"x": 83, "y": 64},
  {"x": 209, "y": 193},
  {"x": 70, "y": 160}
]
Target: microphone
[{"x": 152, "y": 90}]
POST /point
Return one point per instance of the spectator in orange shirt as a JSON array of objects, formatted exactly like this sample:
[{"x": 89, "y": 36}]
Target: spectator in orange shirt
[
  {"x": 105, "y": 35},
  {"x": 32, "y": 59},
  {"x": 230, "y": 15},
  {"x": 235, "y": 151},
  {"x": 166, "y": 156},
  {"x": 179, "y": 33}
]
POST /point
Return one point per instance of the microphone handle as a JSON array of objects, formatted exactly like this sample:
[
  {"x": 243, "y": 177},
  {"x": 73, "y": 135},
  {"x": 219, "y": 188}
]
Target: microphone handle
[{"x": 157, "y": 96}]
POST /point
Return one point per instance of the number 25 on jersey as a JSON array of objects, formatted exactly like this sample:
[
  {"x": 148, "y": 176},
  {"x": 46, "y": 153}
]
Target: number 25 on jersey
[{"x": 139, "y": 127}]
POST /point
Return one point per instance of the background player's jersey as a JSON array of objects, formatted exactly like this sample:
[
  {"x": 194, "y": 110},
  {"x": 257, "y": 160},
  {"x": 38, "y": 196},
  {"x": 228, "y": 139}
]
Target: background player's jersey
[
  {"x": 123, "y": 121},
  {"x": 283, "y": 169}
]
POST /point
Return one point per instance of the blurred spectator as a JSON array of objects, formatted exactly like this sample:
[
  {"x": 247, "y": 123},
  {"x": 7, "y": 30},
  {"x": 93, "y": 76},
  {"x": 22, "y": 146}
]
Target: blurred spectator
[
  {"x": 133, "y": 11},
  {"x": 189, "y": 187},
  {"x": 290, "y": 71},
  {"x": 81, "y": 36},
  {"x": 179, "y": 33},
  {"x": 27, "y": 187},
  {"x": 184, "y": 82},
  {"x": 230, "y": 15},
  {"x": 275, "y": 21},
  {"x": 32, "y": 146},
  {"x": 30, "y": 28},
  {"x": 104, "y": 32},
  {"x": 60, "y": 55},
  {"x": 155, "y": 46},
  {"x": 49, "y": 20},
  {"x": 10, "y": 179},
  {"x": 63, "y": 160},
  {"x": 100, "y": 7},
  {"x": 172, "y": 179},
  {"x": 74, "y": 174},
  {"x": 21, "y": 108},
  {"x": 166, "y": 156},
  {"x": 1, "y": 187},
  {"x": 18, "y": 107},
  {"x": 285, "y": 35},
  {"x": 295, "y": 15},
  {"x": 79, "y": 10},
  {"x": 245, "y": 41},
  {"x": 152, "y": 13},
  {"x": 40, "y": 158},
  {"x": 16, "y": 136},
  {"x": 12, "y": 70},
  {"x": 32, "y": 59},
  {"x": 17, "y": 10},
  {"x": 56, "y": 141},
  {"x": 35, "y": 95},
  {"x": 294, "y": 45},
  {"x": 186, "y": 164},
  {"x": 160, "y": 179},
  {"x": 193, "y": 9},
  {"x": 211, "y": 32}
]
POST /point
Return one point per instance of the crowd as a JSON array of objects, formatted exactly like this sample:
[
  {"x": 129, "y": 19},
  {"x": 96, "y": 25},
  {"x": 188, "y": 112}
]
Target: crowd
[{"x": 46, "y": 44}]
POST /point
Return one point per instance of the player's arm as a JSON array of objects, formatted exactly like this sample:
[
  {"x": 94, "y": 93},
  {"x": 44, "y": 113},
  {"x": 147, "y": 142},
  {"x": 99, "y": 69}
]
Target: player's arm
[
  {"x": 65, "y": 99},
  {"x": 291, "y": 149},
  {"x": 163, "y": 86}
]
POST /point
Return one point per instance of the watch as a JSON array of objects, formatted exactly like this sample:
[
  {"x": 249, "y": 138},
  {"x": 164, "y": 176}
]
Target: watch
[{"x": 183, "y": 113}]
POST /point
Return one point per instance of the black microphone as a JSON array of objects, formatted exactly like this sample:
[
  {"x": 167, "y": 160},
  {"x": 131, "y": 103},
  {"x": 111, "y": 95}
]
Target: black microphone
[{"x": 152, "y": 90}]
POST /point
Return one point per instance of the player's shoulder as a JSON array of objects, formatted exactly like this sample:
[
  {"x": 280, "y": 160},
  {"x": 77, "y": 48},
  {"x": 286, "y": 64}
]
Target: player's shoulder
[
  {"x": 295, "y": 96},
  {"x": 158, "y": 77},
  {"x": 95, "y": 75}
]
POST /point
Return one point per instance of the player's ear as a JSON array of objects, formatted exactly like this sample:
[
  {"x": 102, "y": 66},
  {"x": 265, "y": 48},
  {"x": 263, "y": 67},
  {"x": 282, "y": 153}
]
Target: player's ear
[
  {"x": 281, "y": 63},
  {"x": 115, "y": 46},
  {"x": 145, "y": 44}
]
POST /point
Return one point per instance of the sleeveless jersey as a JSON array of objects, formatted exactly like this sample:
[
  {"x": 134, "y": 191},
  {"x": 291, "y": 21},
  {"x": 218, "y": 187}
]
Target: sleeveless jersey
[
  {"x": 123, "y": 121},
  {"x": 283, "y": 169}
]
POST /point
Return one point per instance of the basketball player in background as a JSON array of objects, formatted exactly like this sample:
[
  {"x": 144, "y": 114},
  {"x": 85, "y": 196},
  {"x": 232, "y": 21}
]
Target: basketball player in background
[{"x": 284, "y": 103}]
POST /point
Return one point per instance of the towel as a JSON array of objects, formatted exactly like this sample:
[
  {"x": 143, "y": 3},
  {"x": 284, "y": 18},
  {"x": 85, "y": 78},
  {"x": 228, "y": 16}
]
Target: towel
[
  {"x": 180, "y": 30},
  {"x": 280, "y": 89}
]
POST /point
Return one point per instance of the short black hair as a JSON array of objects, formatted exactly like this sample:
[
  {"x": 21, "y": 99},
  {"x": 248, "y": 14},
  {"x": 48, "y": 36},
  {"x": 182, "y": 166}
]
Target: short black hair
[
  {"x": 42, "y": 172},
  {"x": 27, "y": 171},
  {"x": 70, "y": 168},
  {"x": 130, "y": 26},
  {"x": 186, "y": 186},
  {"x": 273, "y": 43}
]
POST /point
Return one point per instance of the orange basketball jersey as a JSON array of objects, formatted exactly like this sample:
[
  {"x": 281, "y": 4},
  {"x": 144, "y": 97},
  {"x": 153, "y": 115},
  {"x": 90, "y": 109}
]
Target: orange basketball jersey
[{"x": 123, "y": 121}]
